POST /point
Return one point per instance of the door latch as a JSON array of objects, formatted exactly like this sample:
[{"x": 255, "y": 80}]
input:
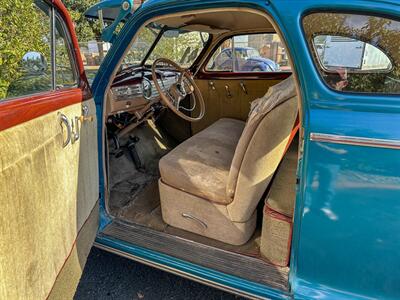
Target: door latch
[
  {"x": 78, "y": 121},
  {"x": 85, "y": 115}
]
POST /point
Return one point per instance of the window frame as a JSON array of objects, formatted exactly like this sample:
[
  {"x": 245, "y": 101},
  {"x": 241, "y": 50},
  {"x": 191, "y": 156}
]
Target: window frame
[
  {"x": 70, "y": 50},
  {"x": 208, "y": 73},
  {"x": 315, "y": 60}
]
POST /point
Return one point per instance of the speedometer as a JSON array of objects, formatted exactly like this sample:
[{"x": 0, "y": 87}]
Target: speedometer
[{"x": 146, "y": 88}]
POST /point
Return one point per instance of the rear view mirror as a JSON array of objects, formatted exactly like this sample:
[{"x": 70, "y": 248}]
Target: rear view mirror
[{"x": 172, "y": 33}]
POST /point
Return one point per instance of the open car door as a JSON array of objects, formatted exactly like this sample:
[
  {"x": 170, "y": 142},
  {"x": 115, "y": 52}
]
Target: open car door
[{"x": 49, "y": 185}]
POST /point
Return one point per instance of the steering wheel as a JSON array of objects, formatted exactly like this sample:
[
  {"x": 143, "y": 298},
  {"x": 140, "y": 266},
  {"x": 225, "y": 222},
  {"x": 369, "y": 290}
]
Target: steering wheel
[{"x": 182, "y": 87}]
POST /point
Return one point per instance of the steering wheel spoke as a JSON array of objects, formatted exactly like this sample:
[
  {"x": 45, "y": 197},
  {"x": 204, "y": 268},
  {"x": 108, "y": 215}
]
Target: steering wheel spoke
[{"x": 183, "y": 86}]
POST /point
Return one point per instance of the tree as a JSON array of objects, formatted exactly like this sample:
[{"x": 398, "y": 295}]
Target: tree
[
  {"x": 24, "y": 28},
  {"x": 85, "y": 29}
]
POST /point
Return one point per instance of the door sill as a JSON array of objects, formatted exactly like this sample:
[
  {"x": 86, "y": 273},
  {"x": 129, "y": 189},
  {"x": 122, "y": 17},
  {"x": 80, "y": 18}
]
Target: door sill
[{"x": 248, "y": 270}]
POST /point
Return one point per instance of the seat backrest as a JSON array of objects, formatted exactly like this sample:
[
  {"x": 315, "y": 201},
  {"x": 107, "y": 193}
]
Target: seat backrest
[{"x": 261, "y": 148}]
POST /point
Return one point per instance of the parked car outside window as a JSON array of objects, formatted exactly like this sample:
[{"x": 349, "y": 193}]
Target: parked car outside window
[{"x": 250, "y": 53}]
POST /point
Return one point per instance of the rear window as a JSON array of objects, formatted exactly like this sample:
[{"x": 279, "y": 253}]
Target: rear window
[{"x": 355, "y": 53}]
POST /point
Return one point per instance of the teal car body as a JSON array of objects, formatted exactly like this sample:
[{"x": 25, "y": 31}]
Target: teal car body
[{"x": 346, "y": 236}]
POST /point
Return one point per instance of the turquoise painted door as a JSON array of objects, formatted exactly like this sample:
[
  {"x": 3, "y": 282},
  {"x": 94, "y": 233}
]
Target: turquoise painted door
[{"x": 347, "y": 229}]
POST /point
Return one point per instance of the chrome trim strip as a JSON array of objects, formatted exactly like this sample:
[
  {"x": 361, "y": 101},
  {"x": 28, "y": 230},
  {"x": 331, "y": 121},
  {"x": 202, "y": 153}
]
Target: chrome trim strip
[
  {"x": 177, "y": 272},
  {"x": 191, "y": 217},
  {"x": 354, "y": 140}
]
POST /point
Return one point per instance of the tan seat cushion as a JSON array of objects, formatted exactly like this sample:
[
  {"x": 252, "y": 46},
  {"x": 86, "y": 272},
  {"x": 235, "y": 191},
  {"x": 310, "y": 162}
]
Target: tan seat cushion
[
  {"x": 283, "y": 190},
  {"x": 200, "y": 165}
]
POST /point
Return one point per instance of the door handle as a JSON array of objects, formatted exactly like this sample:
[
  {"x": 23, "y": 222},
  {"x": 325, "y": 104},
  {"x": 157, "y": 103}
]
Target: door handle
[
  {"x": 64, "y": 121},
  {"x": 243, "y": 86},
  {"x": 228, "y": 91}
]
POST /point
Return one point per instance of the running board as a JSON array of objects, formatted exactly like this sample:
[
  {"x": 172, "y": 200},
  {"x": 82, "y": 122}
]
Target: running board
[{"x": 249, "y": 268}]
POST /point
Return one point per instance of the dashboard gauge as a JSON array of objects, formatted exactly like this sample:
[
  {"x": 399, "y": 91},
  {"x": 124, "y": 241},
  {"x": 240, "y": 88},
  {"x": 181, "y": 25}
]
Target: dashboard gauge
[{"x": 146, "y": 88}]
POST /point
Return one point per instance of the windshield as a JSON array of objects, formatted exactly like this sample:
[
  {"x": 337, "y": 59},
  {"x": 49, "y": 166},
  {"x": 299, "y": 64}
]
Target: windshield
[
  {"x": 145, "y": 38},
  {"x": 183, "y": 47}
]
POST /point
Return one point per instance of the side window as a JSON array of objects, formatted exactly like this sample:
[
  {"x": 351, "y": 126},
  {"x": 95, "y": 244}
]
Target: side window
[
  {"x": 250, "y": 53},
  {"x": 25, "y": 54},
  {"x": 355, "y": 53},
  {"x": 65, "y": 71}
]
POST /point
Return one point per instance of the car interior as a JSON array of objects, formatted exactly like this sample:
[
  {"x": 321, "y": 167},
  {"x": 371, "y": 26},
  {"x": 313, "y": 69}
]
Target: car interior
[{"x": 201, "y": 156}]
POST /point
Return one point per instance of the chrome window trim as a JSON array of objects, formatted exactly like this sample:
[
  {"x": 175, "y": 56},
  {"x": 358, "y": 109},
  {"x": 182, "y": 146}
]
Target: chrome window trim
[{"x": 356, "y": 141}]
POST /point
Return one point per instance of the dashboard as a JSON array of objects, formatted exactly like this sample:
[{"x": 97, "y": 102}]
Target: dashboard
[{"x": 133, "y": 89}]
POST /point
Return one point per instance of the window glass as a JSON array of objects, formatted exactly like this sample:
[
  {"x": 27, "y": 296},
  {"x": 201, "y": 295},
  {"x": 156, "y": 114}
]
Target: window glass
[
  {"x": 355, "y": 53},
  {"x": 179, "y": 46},
  {"x": 250, "y": 53},
  {"x": 65, "y": 72},
  {"x": 140, "y": 47},
  {"x": 182, "y": 47},
  {"x": 25, "y": 47}
]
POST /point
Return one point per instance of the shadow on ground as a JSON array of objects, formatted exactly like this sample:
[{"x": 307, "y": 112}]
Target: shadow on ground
[{"x": 108, "y": 276}]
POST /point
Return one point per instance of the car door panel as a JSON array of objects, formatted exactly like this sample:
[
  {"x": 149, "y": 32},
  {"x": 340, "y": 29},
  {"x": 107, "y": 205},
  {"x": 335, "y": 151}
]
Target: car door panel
[
  {"x": 49, "y": 185},
  {"x": 47, "y": 193},
  {"x": 230, "y": 98}
]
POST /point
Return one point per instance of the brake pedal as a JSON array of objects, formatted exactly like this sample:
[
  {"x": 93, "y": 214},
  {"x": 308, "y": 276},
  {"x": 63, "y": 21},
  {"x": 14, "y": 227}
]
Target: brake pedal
[
  {"x": 133, "y": 152},
  {"x": 118, "y": 151}
]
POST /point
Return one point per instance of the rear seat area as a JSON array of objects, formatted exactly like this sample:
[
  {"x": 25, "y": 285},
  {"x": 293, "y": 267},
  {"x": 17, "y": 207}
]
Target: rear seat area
[{"x": 278, "y": 211}]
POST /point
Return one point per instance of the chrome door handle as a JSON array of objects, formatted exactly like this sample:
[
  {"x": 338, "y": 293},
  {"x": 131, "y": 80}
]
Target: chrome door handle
[{"x": 64, "y": 121}]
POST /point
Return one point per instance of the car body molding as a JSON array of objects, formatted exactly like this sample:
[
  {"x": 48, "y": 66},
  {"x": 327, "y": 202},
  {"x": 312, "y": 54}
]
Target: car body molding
[{"x": 354, "y": 140}]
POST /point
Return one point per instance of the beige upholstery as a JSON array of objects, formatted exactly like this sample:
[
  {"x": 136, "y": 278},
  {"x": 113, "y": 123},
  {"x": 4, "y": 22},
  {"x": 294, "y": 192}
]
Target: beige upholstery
[
  {"x": 283, "y": 190},
  {"x": 190, "y": 212},
  {"x": 200, "y": 165},
  {"x": 47, "y": 193},
  {"x": 217, "y": 177},
  {"x": 276, "y": 233}
]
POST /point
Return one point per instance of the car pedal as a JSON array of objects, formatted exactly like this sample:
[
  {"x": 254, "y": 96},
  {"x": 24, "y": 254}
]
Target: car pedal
[{"x": 133, "y": 152}]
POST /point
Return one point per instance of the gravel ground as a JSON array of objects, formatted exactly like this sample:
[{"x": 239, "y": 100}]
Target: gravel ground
[{"x": 108, "y": 276}]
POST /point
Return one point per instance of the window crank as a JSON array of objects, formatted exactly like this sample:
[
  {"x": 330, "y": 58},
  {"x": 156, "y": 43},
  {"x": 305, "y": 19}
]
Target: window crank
[
  {"x": 243, "y": 86},
  {"x": 228, "y": 91},
  {"x": 212, "y": 85}
]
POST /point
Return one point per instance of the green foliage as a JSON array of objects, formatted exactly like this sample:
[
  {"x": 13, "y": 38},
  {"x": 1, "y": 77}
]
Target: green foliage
[
  {"x": 85, "y": 29},
  {"x": 23, "y": 28},
  {"x": 183, "y": 49}
]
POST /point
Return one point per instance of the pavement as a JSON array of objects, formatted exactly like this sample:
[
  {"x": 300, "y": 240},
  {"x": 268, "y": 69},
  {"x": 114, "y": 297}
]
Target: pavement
[{"x": 109, "y": 276}]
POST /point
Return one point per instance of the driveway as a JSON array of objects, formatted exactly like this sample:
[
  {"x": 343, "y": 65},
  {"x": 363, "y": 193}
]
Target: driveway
[{"x": 108, "y": 276}]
